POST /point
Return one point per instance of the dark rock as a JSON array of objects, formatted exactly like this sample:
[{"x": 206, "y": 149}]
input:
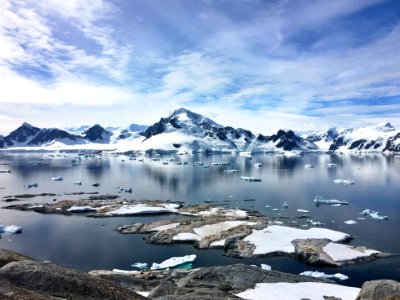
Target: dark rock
[
  {"x": 392, "y": 144},
  {"x": 47, "y": 135},
  {"x": 380, "y": 290},
  {"x": 97, "y": 133},
  {"x": 7, "y": 256},
  {"x": 22, "y": 134}
]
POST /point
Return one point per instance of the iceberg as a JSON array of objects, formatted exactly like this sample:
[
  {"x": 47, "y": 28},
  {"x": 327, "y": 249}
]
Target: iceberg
[
  {"x": 345, "y": 182},
  {"x": 220, "y": 164},
  {"x": 315, "y": 223},
  {"x": 141, "y": 266},
  {"x": 319, "y": 200},
  {"x": 78, "y": 183},
  {"x": 245, "y": 154},
  {"x": 374, "y": 214},
  {"x": 58, "y": 178},
  {"x": 350, "y": 222},
  {"x": 250, "y": 179},
  {"x": 10, "y": 229},
  {"x": 285, "y": 205},
  {"x": 31, "y": 185},
  {"x": 198, "y": 163},
  {"x": 231, "y": 171},
  {"x": 266, "y": 267},
  {"x": 323, "y": 275},
  {"x": 258, "y": 165},
  {"x": 309, "y": 166},
  {"x": 174, "y": 262},
  {"x": 331, "y": 165}
]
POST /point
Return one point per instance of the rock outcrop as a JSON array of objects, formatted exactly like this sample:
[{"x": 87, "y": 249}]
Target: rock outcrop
[{"x": 380, "y": 290}]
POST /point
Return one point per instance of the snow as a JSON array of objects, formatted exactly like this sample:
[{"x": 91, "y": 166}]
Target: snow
[
  {"x": 125, "y": 272},
  {"x": 81, "y": 208},
  {"x": 166, "y": 227},
  {"x": 218, "y": 244},
  {"x": 143, "y": 293},
  {"x": 300, "y": 290},
  {"x": 277, "y": 238},
  {"x": 140, "y": 208},
  {"x": 214, "y": 229},
  {"x": 340, "y": 253},
  {"x": 223, "y": 211},
  {"x": 186, "y": 236},
  {"x": 10, "y": 229},
  {"x": 173, "y": 262},
  {"x": 323, "y": 275},
  {"x": 350, "y": 222},
  {"x": 266, "y": 267}
]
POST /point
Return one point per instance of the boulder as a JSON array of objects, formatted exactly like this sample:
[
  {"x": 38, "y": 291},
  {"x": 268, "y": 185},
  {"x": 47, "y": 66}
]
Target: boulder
[{"x": 380, "y": 290}]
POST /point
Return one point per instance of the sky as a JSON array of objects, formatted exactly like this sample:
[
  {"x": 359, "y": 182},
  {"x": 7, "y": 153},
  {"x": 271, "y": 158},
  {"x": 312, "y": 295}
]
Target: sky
[{"x": 259, "y": 65}]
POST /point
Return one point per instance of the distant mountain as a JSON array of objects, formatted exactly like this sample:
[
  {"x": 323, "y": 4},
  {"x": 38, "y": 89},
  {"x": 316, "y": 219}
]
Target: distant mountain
[
  {"x": 372, "y": 138},
  {"x": 97, "y": 134},
  {"x": 184, "y": 131}
]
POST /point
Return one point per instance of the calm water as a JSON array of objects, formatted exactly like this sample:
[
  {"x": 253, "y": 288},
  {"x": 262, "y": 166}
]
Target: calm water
[{"x": 86, "y": 243}]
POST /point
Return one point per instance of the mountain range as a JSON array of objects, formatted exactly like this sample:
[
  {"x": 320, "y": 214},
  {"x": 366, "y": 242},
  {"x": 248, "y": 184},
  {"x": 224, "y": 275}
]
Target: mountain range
[{"x": 187, "y": 132}]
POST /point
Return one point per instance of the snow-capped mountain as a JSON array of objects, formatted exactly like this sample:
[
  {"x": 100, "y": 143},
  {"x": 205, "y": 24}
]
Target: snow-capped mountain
[
  {"x": 366, "y": 139},
  {"x": 184, "y": 131},
  {"x": 97, "y": 134}
]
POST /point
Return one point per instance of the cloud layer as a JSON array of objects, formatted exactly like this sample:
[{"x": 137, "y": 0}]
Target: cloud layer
[{"x": 261, "y": 65}]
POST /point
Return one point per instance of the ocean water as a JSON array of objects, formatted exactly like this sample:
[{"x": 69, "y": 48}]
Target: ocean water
[{"x": 88, "y": 243}]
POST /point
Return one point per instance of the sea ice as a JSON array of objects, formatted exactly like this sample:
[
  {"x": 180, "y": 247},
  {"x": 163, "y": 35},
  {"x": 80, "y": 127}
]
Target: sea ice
[
  {"x": 140, "y": 265},
  {"x": 346, "y": 182},
  {"x": 58, "y": 178},
  {"x": 317, "y": 274},
  {"x": 318, "y": 200},
  {"x": 340, "y": 252},
  {"x": 374, "y": 214},
  {"x": 174, "y": 262},
  {"x": 10, "y": 229},
  {"x": 303, "y": 210},
  {"x": 350, "y": 222}
]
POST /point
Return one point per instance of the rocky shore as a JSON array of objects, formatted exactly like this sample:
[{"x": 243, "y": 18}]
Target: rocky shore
[{"x": 25, "y": 278}]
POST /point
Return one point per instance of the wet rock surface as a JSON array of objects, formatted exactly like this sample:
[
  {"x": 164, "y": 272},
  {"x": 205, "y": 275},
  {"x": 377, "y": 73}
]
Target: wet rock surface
[{"x": 24, "y": 278}]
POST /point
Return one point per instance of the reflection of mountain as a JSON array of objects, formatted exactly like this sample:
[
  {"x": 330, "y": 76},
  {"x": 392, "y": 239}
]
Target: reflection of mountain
[{"x": 184, "y": 132}]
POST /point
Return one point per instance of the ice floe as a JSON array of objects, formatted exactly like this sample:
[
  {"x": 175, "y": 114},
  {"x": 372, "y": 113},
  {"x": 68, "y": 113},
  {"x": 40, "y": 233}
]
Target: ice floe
[
  {"x": 174, "y": 262},
  {"x": 323, "y": 275},
  {"x": 251, "y": 179},
  {"x": 31, "y": 185},
  {"x": 331, "y": 165},
  {"x": 78, "y": 183},
  {"x": 303, "y": 210},
  {"x": 374, "y": 214},
  {"x": 277, "y": 238},
  {"x": 231, "y": 171},
  {"x": 319, "y": 200},
  {"x": 346, "y": 182},
  {"x": 10, "y": 229},
  {"x": 309, "y": 166},
  {"x": 58, "y": 178},
  {"x": 140, "y": 265},
  {"x": 300, "y": 290},
  {"x": 350, "y": 222},
  {"x": 342, "y": 253},
  {"x": 266, "y": 267}
]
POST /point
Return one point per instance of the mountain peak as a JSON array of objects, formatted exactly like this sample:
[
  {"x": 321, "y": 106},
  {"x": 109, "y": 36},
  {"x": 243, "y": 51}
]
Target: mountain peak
[{"x": 385, "y": 126}]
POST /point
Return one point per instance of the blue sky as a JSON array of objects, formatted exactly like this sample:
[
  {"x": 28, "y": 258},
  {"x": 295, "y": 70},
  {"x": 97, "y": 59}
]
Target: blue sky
[{"x": 260, "y": 65}]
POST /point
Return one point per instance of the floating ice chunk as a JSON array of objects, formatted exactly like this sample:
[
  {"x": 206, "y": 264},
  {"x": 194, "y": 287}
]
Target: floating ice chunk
[
  {"x": 350, "y": 222},
  {"x": 78, "y": 183},
  {"x": 266, "y": 267},
  {"x": 275, "y": 209},
  {"x": 317, "y": 274},
  {"x": 129, "y": 190},
  {"x": 174, "y": 262},
  {"x": 331, "y": 165},
  {"x": 340, "y": 252},
  {"x": 320, "y": 200},
  {"x": 58, "y": 178},
  {"x": 5, "y": 171},
  {"x": 251, "y": 179},
  {"x": 267, "y": 206},
  {"x": 299, "y": 290},
  {"x": 10, "y": 229},
  {"x": 315, "y": 223},
  {"x": 84, "y": 208},
  {"x": 231, "y": 171},
  {"x": 309, "y": 166},
  {"x": 32, "y": 185},
  {"x": 346, "y": 182},
  {"x": 245, "y": 153},
  {"x": 258, "y": 165},
  {"x": 285, "y": 205},
  {"x": 140, "y": 265},
  {"x": 96, "y": 184},
  {"x": 374, "y": 214},
  {"x": 221, "y": 163},
  {"x": 303, "y": 210},
  {"x": 198, "y": 163}
]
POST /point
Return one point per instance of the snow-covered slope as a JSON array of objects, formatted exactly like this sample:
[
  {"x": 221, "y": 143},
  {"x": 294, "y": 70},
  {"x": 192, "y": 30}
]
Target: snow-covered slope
[
  {"x": 323, "y": 139},
  {"x": 367, "y": 139}
]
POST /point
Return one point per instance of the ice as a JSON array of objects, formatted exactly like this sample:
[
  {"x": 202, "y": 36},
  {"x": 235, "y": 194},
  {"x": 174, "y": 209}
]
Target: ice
[
  {"x": 31, "y": 185},
  {"x": 58, "y": 178},
  {"x": 374, "y": 214},
  {"x": 220, "y": 210},
  {"x": 140, "y": 265},
  {"x": 299, "y": 290},
  {"x": 340, "y": 253},
  {"x": 266, "y": 267},
  {"x": 350, "y": 222},
  {"x": 143, "y": 293},
  {"x": 317, "y": 274},
  {"x": 231, "y": 171},
  {"x": 217, "y": 228},
  {"x": 285, "y": 205},
  {"x": 78, "y": 183},
  {"x": 10, "y": 229},
  {"x": 166, "y": 227},
  {"x": 125, "y": 272},
  {"x": 309, "y": 166},
  {"x": 258, "y": 165},
  {"x": 174, "y": 262},
  {"x": 320, "y": 200},
  {"x": 198, "y": 163},
  {"x": 84, "y": 208},
  {"x": 141, "y": 208},
  {"x": 221, "y": 164},
  {"x": 5, "y": 171},
  {"x": 315, "y": 223},
  {"x": 218, "y": 244},
  {"x": 277, "y": 238},
  {"x": 303, "y": 210},
  {"x": 331, "y": 165},
  {"x": 96, "y": 184},
  {"x": 346, "y": 182},
  {"x": 251, "y": 179}
]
